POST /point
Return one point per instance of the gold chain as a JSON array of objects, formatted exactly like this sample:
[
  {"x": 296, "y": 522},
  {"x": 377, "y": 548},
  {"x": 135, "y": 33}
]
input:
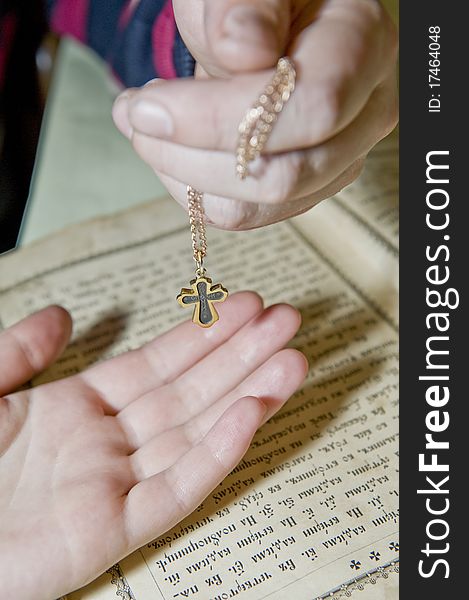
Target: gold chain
[
  {"x": 202, "y": 295},
  {"x": 254, "y": 131},
  {"x": 257, "y": 124},
  {"x": 197, "y": 224}
]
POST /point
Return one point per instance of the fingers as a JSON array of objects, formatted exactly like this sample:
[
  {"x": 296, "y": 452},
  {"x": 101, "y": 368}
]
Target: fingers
[
  {"x": 227, "y": 36},
  {"x": 156, "y": 504},
  {"x": 210, "y": 379},
  {"x": 245, "y": 35},
  {"x": 31, "y": 345},
  {"x": 273, "y": 383},
  {"x": 344, "y": 103},
  {"x": 122, "y": 379},
  {"x": 227, "y": 213},
  {"x": 230, "y": 364},
  {"x": 340, "y": 58},
  {"x": 276, "y": 178}
]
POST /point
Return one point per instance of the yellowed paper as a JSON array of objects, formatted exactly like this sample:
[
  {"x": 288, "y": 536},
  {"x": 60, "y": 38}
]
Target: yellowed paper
[
  {"x": 358, "y": 230},
  {"x": 313, "y": 506}
]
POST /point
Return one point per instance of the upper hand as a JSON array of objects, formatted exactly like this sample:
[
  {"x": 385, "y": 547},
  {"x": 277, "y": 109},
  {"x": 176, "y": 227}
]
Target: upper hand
[
  {"x": 98, "y": 464},
  {"x": 345, "y": 101}
]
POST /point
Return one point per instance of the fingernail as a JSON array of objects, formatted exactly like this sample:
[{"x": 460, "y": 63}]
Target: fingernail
[
  {"x": 120, "y": 115},
  {"x": 248, "y": 24},
  {"x": 151, "y": 118},
  {"x": 153, "y": 82}
]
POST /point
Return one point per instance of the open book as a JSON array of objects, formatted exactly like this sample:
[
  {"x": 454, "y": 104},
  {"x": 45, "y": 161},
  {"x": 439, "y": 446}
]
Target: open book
[{"x": 311, "y": 511}]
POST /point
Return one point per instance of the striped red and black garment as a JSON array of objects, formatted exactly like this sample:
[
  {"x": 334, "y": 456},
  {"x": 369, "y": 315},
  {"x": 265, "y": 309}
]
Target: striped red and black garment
[{"x": 138, "y": 38}]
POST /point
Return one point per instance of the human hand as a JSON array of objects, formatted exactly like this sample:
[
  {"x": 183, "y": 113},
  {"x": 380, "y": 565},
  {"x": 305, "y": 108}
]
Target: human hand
[
  {"x": 345, "y": 101},
  {"x": 98, "y": 464}
]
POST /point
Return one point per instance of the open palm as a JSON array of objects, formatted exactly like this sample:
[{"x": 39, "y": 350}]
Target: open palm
[{"x": 98, "y": 464}]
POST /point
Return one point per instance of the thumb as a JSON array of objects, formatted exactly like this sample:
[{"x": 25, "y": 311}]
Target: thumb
[
  {"x": 247, "y": 35},
  {"x": 235, "y": 35},
  {"x": 30, "y": 346}
]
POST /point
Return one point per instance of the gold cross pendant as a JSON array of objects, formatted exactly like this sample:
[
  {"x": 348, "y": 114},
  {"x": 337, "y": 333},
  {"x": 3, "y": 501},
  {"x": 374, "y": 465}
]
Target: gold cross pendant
[{"x": 202, "y": 295}]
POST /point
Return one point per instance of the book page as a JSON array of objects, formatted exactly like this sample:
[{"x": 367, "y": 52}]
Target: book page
[
  {"x": 358, "y": 230},
  {"x": 374, "y": 196},
  {"x": 312, "y": 508}
]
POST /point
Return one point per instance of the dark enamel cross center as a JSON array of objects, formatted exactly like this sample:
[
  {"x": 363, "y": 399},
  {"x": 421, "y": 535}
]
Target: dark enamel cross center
[{"x": 202, "y": 296}]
